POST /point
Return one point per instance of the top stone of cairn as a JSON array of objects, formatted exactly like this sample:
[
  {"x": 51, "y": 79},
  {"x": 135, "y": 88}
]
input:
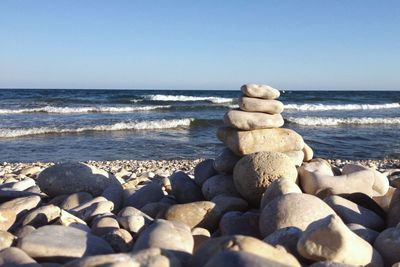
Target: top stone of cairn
[{"x": 260, "y": 91}]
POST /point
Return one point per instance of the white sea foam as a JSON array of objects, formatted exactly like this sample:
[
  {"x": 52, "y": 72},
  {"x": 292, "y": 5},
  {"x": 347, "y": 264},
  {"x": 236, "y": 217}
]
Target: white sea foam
[
  {"x": 329, "y": 121},
  {"x": 216, "y": 100},
  {"x": 322, "y": 107},
  {"x": 71, "y": 110},
  {"x": 134, "y": 125}
]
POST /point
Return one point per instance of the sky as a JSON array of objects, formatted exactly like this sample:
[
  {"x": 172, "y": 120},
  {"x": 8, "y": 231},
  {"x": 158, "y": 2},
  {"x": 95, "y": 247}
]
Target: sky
[{"x": 206, "y": 44}]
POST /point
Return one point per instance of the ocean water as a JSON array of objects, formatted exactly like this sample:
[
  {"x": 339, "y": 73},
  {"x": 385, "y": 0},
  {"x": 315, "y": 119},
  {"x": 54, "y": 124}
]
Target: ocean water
[{"x": 60, "y": 125}]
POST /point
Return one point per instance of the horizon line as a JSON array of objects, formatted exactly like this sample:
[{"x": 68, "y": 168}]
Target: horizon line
[{"x": 179, "y": 89}]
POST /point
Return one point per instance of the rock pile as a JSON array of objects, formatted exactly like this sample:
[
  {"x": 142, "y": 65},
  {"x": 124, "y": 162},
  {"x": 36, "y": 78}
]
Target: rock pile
[
  {"x": 255, "y": 127},
  {"x": 251, "y": 209}
]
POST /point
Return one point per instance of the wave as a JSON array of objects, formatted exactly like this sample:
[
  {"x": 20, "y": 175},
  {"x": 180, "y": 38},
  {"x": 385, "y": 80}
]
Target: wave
[
  {"x": 327, "y": 121},
  {"x": 71, "y": 110},
  {"x": 134, "y": 125},
  {"x": 184, "y": 98},
  {"x": 322, "y": 107}
]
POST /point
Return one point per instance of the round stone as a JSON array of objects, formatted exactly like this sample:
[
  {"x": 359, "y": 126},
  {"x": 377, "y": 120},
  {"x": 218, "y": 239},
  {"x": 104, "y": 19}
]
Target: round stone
[
  {"x": 292, "y": 210},
  {"x": 72, "y": 177},
  {"x": 255, "y": 172}
]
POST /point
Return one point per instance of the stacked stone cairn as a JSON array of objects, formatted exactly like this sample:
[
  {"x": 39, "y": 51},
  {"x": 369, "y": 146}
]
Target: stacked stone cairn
[{"x": 254, "y": 205}]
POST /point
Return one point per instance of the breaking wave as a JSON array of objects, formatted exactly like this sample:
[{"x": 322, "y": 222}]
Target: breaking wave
[
  {"x": 71, "y": 110},
  {"x": 134, "y": 125},
  {"x": 183, "y": 98},
  {"x": 322, "y": 107},
  {"x": 327, "y": 121}
]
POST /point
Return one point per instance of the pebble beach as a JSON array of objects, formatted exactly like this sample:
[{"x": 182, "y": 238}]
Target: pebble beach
[{"x": 264, "y": 200}]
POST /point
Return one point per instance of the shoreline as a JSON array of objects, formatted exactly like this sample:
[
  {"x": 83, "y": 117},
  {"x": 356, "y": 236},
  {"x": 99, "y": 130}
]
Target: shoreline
[{"x": 131, "y": 169}]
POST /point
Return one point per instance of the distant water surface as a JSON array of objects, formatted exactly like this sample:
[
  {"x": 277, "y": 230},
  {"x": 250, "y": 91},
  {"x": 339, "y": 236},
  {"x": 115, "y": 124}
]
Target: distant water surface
[{"x": 59, "y": 125}]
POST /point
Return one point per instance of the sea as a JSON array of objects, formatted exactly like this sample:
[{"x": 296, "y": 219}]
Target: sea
[{"x": 62, "y": 125}]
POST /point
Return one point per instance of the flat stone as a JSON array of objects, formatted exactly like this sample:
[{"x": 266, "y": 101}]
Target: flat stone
[
  {"x": 184, "y": 189},
  {"x": 331, "y": 240},
  {"x": 225, "y": 161},
  {"x": 88, "y": 212},
  {"x": 18, "y": 186},
  {"x": 244, "y": 120},
  {"x": 152, "y": 257},
  {"x": 242, "y": 259},
  {"x": 7, "y": 219},
  {"x": 254, "y": 173},
  {"x": 69, "y": 220},
  {"x": 6, "y": 239},
  {"x": 73, "y": 177},
  {"x": 350, "y": 212},
  {"x": 149, "y": 193},
  {"x": 61, "y": 244},
  {"x": 76, "y": 199},
  {"x": 247, "y": 142},
  {"x": 219, "y": 184},
  {"x": 13, "y": 257},
  {"x": 317, "y": 175},
  {"x": 259, "y": 91},
  {"x": 104, "y": 225},
  {"x": 381, "y": 182},
  {"x": 203, "y": 171},
  {"x": 260, "y": 105},
  {"x": 254, "y": 246},
  {"x": 42, "y": 216},
  {"x": 195, "y": 214},
  {"x": 21, "y": 205},
  {"x": 292, "y": 210}
]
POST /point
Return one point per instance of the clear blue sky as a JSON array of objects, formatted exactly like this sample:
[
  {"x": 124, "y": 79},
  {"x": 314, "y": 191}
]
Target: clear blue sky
[{"x": 207, "y": 44}]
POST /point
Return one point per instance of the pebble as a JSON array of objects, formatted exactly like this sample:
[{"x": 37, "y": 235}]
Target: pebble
[
  {"x": 42, "y": 216},
  {"x": 225, "y": 161},
  {"x": 219, "y": 184},
  {"x": 259, "y": 91},
  {"x": 260, "y": 105},
  {"x": 73, "y": 177},
  {"x": 184, "y": 189},
  {"x": 244, "y": 120},
  {"x": 292, "y": 210},
  {"x": 247, "y": 142},
  {"x": 196, "y": 214},
  {"x": 149, "y": 193},
  {"x": 16, "y": 257},
  {"x": 388, "y": 245},
  {"x": 254, "y": 173},
  {"x": 350, "y": 212},
  {"x": 6, "y": 239},
  {"x": 215, "y": 246},
  {"x": 203, "y": 171},
  {"x": 163, "y": 234},
  {"x": 76, "y": 199},
  {"x": 61, "y": 244},
  {"x": 330, "y": 239}
]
